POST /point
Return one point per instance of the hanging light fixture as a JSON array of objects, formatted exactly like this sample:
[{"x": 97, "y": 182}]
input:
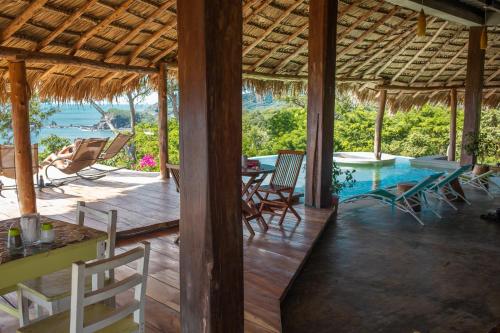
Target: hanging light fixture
[
  {"x": 421, "y": 24},
  {"x": 483, "y": 43}
]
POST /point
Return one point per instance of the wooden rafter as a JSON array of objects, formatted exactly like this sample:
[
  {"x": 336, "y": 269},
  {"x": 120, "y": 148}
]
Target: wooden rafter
[
  {"x": 103, "y": 24},
  {"x": 301, "y": 48},
  {"x": 390, "y": 45},
  {"x": 138, "y": 50},
  {"x": 164, "y": 53},
  {"x": 16, "y": 54},
  {"x": 431, "y": 60},
  {"x": 20, "y": 19},
  {"x": 375, "y": 44},
  {"x": 279, "y": 46},
  {"x": 420, "y": 51},
  {"x": 82, "y": 73},
  {"x": 257, "y": 10},
  {"x": 367, "y": 32},
  {"x": 396, "y": 52},
  {"x": 128, "y": 37},
  {"x": 358, "y": 21},
  {"x": 67, "y": 23},
  {"x": 271, "y": 28}
]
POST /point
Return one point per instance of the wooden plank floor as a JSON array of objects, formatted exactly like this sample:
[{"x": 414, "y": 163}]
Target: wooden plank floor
[
  {"x": 271, "y": 259},
  {"x": 143, "y": 201}
]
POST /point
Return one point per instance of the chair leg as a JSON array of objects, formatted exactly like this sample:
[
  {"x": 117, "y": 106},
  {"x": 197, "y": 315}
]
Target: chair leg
[
  {"x": 23, "y": 307},
  {"x": 249, "y": 227},
  {"x": 283, "y": 214},
  {"x": 294, "y": 212}
]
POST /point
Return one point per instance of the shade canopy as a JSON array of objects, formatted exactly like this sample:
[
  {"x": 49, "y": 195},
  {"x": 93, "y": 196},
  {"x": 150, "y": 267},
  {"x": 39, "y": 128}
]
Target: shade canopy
[{"x": 90, "y": 49}]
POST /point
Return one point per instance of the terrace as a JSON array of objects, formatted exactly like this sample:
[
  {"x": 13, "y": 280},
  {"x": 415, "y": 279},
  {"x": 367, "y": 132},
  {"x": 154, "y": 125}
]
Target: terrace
[{"x": 220, "y": 278}]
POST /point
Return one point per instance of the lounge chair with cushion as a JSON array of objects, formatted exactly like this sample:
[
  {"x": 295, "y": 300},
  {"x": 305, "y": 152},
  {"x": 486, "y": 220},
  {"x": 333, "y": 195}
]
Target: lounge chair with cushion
[
  {"x": 79, "y": 164},
  {"x": 8, "y": 163},
  {"x": 404, "y": 201}
]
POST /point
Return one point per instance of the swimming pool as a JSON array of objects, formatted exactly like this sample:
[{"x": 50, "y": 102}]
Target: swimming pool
[{"x": 369, "y": 177}]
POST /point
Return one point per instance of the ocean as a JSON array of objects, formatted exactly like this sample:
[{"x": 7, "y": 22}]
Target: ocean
[{"x": 71, "y": 116}]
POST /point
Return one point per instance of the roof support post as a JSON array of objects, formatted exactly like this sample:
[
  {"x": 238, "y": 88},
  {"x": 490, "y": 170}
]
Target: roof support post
[
  {"x": 321, "y": 101},
  {"x": 453, "y": 125},
  {"x": 379, "y": 121},
  {"x": 163, "y": 120},
  {"x": 211, "y": 248},
  {"x": 473, "y": 92},
  {"x": 19, "y": 97}
]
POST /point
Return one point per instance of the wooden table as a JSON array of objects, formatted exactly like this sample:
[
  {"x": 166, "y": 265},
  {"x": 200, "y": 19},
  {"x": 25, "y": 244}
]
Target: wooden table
[
  {"x": 255, "y": 177},
  {"x": 72, "y": 243}
]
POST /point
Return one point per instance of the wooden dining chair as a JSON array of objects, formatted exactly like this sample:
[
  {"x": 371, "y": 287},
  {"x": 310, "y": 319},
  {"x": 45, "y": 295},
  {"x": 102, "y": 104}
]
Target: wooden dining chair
[
  {"x": 52, "y": 291},
  {"x": 282, "y": 185},
  {"x": 176, "y": 175},
  {"x": 175, "y": 170},
  {"x": 88, "y": 311}
]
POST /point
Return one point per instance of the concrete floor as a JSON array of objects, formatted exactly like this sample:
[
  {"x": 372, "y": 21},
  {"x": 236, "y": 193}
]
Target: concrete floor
[{"x": 376, "y": 272}]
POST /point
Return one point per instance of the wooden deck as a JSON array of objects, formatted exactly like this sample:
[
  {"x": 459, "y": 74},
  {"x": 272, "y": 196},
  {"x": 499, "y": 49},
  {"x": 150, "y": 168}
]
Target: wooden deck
[
  {"x": 271, "y": 259},
  {"x": 144, "y": 203}
]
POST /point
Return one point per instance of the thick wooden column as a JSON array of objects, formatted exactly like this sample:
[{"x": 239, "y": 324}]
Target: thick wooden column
[
  {"x": 19, "y": 97},
  {"x": 473, "y": 91},
  {"x": 211, "y": 247},
  {"x": 321, "y": 101},
  {"x": 453, "y": 125},
  {"x": 163, "y": 120},
  {"x": 379, "y": 121}
]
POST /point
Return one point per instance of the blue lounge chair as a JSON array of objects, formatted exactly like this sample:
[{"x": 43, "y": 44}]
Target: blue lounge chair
[
  {"x": 443, "y": 190},
  {"x": 403, "y": 201}
]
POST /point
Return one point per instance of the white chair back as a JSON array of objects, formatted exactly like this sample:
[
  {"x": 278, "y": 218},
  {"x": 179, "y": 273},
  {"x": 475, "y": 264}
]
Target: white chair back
[{"x": 80, "y": 299}]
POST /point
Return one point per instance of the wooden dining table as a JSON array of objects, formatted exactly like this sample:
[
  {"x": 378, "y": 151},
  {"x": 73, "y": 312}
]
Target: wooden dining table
[
  {"x": 252, "y": 178},
  {"x": 72, "y": 243}
]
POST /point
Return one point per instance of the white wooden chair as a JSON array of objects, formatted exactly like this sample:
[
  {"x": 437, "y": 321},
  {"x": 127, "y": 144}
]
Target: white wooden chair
[
  {"x": 52, "y": 292},
  {"x": 89, "y": 312}
]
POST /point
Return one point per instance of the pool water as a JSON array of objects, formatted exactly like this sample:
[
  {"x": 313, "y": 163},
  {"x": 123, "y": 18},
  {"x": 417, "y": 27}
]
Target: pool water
[{"x": 367, "y": 178}]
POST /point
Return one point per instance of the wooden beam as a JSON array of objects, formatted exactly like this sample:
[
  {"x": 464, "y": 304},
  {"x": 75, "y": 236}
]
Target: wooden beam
[
  {"x": 257, "y": 10},
  {"x": 417, "y": 88},
  {"x": 15, "y": 54},
  {"x": 67, "y": 23},
  {"x": 321, "y": 101},
  {"x": 128, "y": 37},
  {"x": 103, "y": 24},
  {"x": 449, "y": 10},
  {"x": 377, "y": 141},
  {"x": 20, "y": 19},
  {"x": 358, "y": 21},
  {"x": 303, "y": 47},
  {"x": 21, "y": 129},
  {"x": 279, "y": 46},
  {"x": 373, "y": 27},
  {"x": 375, "y": 44},
  {"x": 170, "y": 25},
  {"x": 453, "y": 125},
  {"x": 473, "y": 92},
  {"x": 405, "y": 37},
  {"x": 271, "y": 28},
  {"x": 211, "y": 246},
  {"x": 163, "y": 120},
  {"x": 164, "y": 53},
  {"x": 397, "y": 51},
  {"x": 420, "y": 51}
]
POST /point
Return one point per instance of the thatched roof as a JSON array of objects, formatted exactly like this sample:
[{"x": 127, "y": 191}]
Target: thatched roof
[{"x": 376, "y": 43}]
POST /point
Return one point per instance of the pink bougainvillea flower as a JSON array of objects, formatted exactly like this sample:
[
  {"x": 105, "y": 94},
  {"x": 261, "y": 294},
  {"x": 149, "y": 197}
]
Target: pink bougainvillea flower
[{"x": 147, "y": 161}]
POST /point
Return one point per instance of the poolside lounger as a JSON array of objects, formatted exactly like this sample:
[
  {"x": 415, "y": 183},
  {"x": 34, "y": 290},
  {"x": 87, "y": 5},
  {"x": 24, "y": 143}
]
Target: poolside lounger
[
  {"x": 79, "y": 164},
  {"x": 8, "y": 164},
  {"x": 403, "y": 201},
  {"x": 443, "y": 190},
  {"x": 115, "y": 146},
  {"x": 480, "y": 182}
]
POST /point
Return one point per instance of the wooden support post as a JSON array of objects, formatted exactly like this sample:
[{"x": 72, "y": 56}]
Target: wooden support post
[
  {"x": 473, "y": 92},
  {"x": 21, "y": 129},
  {"x": 379, "y": 121},
  {"x": 163, "y": 120},
  {"x": 211, "y": 247},
  {"x": 453, "y": 125},
  {"x": 321, "y": 101}
]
